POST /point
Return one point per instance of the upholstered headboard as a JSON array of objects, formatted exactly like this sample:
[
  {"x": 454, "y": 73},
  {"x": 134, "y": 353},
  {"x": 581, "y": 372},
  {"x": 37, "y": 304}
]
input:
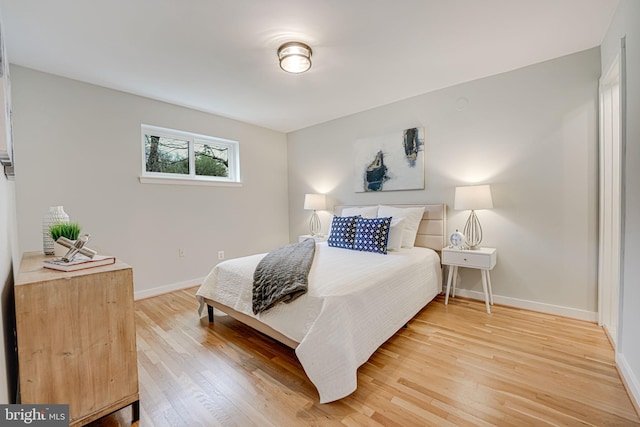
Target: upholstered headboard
[{"x": 431, "y": 233}]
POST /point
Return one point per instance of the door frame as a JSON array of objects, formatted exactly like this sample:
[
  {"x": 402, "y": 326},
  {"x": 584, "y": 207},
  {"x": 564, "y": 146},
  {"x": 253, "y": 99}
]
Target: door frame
[{"x": 612, "y": 115}]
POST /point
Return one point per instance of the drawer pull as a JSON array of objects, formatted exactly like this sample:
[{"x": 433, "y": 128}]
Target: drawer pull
[{"x": 464, "y": 259}]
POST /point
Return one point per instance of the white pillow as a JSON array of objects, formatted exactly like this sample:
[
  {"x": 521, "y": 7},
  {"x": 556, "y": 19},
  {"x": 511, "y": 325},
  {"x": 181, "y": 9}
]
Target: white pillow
[
  {"x": 365, "y": 212},
  {"x": 412, "y": 218},
  {"x": 394, "y": 241}
]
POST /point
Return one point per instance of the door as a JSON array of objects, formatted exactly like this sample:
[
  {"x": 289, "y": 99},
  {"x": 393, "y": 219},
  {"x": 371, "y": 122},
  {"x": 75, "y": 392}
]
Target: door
[{"x": 610, "y": 188}]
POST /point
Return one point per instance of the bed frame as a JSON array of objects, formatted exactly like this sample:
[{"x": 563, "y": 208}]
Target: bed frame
[{"x": 431, "y": 234}]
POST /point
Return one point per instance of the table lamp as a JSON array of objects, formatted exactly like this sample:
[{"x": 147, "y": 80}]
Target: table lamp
[
  {"x": 473, "y": 197},
  {"x": 315, "y": 202}
]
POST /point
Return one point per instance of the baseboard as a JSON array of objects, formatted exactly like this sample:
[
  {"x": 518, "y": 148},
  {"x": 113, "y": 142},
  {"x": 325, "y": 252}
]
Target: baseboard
[
  {"x": 630, "y": 381},
  {"x": 148, "y": 293},
  {"x": 574, "y": 313}
]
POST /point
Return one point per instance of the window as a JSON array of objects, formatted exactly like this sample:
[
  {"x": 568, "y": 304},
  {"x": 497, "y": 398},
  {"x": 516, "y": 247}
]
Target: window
[{"x": 181, "y": 157}]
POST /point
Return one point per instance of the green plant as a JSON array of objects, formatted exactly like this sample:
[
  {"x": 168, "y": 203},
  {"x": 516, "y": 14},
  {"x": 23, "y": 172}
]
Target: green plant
[{"x": 70, "y": 230}]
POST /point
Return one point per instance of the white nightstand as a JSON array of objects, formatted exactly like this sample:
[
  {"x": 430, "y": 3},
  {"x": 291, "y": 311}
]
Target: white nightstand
[
  {"x": 317, "y": 237},
  {"x": 483, "y": 259}
]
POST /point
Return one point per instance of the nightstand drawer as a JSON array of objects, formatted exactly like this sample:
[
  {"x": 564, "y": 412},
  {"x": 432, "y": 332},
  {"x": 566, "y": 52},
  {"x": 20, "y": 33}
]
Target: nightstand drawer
[{"x": 484, "y": 258}]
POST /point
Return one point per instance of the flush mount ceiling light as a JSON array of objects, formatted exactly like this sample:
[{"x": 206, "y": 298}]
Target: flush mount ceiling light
[{"x": 295, "y": 57}]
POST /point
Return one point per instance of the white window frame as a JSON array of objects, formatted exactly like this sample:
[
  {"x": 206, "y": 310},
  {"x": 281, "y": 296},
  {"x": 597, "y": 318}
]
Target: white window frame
[{"x": 191, "y": 179}]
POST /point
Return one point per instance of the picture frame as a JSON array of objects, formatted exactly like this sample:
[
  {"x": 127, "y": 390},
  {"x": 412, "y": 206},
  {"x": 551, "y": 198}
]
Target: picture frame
[{"x": 391, "y": 162}]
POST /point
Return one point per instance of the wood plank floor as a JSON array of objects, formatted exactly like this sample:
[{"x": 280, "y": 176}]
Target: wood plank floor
[{"x": 452, "y": 366}]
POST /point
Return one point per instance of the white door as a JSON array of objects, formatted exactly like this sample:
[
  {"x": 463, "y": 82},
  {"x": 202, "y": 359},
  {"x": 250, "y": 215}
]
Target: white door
[{"x": 610, "y": 201}]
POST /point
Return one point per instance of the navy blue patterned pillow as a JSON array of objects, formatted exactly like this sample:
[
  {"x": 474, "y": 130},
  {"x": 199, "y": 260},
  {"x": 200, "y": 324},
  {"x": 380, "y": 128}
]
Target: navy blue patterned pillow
[
  {"x": 343, "y": 232},
  {"x": 372, "y": 234}
]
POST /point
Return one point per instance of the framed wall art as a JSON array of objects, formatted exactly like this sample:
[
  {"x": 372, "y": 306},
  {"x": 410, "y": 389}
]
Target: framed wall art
[{"x": 390, "y": 162}]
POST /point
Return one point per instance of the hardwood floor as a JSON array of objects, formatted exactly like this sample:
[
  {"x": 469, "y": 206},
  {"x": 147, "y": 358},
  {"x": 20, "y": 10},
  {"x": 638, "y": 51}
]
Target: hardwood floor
[{"x": 453, "y": 365}]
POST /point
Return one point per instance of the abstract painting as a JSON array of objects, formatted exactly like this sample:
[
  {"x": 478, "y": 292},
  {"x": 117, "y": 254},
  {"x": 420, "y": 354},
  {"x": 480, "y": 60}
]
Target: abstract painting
[{"x": 390, "y": 162}]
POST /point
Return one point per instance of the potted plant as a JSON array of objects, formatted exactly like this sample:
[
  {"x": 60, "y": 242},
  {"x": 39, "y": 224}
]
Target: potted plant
[{"x": 70, "y": 230}]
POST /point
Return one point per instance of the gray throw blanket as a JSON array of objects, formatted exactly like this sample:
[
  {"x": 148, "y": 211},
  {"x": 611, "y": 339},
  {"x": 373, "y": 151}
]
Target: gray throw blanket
[{"x": 282, "y": 275}]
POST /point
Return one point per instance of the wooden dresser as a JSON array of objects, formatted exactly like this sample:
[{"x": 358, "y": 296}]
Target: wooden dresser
[{"x": 76, "y": 338}]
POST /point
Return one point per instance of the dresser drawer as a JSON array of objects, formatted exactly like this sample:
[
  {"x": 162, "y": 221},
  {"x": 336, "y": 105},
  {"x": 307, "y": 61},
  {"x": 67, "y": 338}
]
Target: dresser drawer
[{"x": 483, "y": 258}]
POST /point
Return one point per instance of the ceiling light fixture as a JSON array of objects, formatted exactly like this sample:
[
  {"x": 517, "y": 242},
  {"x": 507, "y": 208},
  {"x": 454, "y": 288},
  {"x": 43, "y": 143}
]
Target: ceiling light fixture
[{"x": 295, "y": 57}]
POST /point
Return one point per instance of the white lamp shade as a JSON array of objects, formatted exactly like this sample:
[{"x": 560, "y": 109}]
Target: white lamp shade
[
  {"x": 473, "y": 197},
  {"x": 315, "y": 202}
]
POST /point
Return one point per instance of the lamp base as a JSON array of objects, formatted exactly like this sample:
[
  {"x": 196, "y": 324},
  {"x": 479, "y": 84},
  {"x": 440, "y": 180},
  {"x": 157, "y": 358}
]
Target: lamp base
[
  {"x": 473, "y": 231},
  {"x": 314, "y": 224}
]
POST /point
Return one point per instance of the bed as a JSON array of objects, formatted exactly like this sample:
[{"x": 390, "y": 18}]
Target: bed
[{"x": 356, "y": 300}]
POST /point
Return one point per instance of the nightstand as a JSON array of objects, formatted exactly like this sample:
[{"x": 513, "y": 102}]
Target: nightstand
[
  {"x": 483, "y": 259},
  {"x": 317, "y": 237}
]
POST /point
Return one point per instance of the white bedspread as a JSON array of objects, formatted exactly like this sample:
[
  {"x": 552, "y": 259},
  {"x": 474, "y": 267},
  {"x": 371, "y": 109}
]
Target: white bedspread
[{"x": 356, "y": 301}]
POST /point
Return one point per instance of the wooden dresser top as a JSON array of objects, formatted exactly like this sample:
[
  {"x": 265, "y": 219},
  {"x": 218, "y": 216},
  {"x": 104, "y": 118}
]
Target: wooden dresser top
[{"x": 32, "y": 271}]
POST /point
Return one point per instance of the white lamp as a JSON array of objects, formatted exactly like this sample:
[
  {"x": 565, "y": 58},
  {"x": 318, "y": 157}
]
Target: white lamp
[
  {"x": 315, "y": 202},
  {"x": 474, "y": 197}
]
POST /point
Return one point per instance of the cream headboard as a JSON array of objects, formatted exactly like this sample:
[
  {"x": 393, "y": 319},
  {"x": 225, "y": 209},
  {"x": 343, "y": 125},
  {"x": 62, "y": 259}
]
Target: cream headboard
[{"x": 431, "y": 233}]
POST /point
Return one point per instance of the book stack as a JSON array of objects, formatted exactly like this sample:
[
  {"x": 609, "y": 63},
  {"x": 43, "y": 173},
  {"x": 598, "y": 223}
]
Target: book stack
[{"x": 79, "y": 262}]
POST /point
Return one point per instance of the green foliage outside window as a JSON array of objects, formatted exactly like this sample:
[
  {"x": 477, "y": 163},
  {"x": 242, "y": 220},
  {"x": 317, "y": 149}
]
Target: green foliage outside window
[
  {"x": 211, "y": 161},
  {"x": 182, "y": 156},
  {"x": 166, "y": 155}
]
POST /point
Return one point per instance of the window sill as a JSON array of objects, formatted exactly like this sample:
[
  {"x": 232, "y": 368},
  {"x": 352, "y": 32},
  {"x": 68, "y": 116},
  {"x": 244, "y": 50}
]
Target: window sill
[{"x": 183, "y": 181}]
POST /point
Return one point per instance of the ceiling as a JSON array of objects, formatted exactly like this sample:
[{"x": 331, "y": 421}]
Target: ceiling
[{"x": 219, "y": 56}]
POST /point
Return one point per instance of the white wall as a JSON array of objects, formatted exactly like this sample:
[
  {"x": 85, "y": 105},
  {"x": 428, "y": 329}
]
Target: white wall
[
  {"x": 626, "y": 22},
  {"x": 78, "y": 145},
  {"x": 530, "y": 133}
]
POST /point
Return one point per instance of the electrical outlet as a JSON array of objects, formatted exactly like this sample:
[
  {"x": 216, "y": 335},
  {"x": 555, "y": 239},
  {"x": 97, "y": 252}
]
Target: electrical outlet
[
  {"x": 181, "y": 253},
  {"x": 220, "y": 254}
]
